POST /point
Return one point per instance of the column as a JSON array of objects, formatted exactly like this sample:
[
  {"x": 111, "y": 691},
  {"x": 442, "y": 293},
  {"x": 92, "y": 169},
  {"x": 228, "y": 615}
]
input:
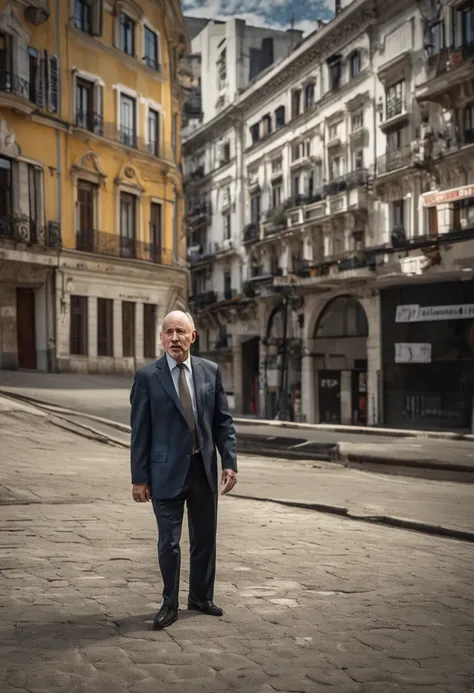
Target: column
[
  {"x": 41, "y": 327},
  {"x": 346, "y": 397},
  {"x": 374, "y": 361},
  {"x": 118, "y": 329},
  {"x": 307, "y": 384}
]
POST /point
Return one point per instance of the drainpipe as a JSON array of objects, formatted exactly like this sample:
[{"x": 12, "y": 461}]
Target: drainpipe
[{"x": 53, "y": 360}]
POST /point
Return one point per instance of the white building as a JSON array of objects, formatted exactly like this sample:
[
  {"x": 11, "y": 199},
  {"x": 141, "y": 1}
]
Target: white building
[{"x": 335, "y": 152}]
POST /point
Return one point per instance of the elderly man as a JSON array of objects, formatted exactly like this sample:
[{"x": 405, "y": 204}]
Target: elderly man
[{"x": 179, "y": 416}]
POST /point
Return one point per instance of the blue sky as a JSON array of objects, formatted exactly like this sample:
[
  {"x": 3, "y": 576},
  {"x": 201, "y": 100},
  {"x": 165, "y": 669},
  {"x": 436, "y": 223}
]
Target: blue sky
[{"x": 272, "y": 13}]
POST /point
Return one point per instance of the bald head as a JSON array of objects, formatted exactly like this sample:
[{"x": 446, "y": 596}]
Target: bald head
[{"x": 177, "y": 334}]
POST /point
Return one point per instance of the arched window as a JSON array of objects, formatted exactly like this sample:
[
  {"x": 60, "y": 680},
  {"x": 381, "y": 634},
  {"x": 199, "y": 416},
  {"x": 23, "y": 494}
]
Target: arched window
[{"x": 342, "y": 317}]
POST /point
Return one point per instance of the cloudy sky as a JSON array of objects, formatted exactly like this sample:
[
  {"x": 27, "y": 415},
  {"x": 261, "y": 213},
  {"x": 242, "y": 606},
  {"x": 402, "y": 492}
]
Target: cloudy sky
[{"x": 277, "y": 13}]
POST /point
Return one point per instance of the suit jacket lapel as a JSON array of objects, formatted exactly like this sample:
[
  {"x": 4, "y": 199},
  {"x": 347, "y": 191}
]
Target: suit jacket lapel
[
  {"x": 199, "y": 385},
  {"x": 164, "y": 376}
]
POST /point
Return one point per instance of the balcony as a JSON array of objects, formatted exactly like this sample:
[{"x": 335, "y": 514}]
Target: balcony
[
  {"x": 123, "y": 135},
  {"x": 357, "y": 179},
  {"x": 450, "y": 68},
  {"x": 295, "y": 201},
  {"x": 394, "y": 161},
  {"x": 15, "y": 92},
  {"x": 114, "y": 245},
  {"x": 336, "y": 186},
  {"x": 195, "y": 175},
  {"x": 203, "y": 300},
  {"x": 395, "y": 114},
  {"x": 19, "y": 228},
  {"x": 199, "y": 215},
  {"x": 251, "y": 233},
  {"x": 93, "y": 122},
  {"x": 274, "y": 220}
]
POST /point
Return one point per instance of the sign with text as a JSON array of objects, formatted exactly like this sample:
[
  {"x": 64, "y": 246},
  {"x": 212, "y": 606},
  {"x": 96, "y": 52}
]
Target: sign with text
[
  {"x": 412, "y": 353},
  {"x": 416, "y": 313},
  {"x": 444, "y": 196},
  {"x": 414, "y": 265}
]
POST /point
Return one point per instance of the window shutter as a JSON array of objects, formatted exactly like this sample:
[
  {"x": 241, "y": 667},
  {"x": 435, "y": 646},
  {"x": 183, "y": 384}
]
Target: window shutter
[
  {"x": 53, "y": 84},
  {"x": 41, "y": 84},
  {"x": 99, "y": 110},
  {"x": 97, "y": 15}
]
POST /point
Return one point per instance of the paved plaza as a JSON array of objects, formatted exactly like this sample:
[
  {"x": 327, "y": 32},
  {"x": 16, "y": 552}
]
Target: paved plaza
[{"x": 313, "y": 602}]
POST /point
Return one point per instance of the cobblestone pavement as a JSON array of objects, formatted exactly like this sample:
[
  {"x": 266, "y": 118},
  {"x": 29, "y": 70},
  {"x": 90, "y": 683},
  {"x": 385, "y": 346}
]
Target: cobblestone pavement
[{"x": 312, "y": 602}]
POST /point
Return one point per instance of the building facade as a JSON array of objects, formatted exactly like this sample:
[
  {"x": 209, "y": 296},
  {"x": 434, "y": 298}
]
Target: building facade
[
  {"x": 352, "y": 291},
  {"x": 93, "y": 252}
]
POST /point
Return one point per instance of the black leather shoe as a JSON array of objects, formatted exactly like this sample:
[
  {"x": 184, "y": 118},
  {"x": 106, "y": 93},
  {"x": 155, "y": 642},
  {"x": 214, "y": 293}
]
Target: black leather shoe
[
  {"x": 208, "y": 608},
  {"x": 165, "y": 617}
]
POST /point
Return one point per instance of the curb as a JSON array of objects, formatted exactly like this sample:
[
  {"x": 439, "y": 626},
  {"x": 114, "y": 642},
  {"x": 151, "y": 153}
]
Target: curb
[
  {"x": 268, "y": 446},
  {"x": 386, "y": 520},
  {"x": 367, "y": 430},
  {"x": 91, "y": 433}
]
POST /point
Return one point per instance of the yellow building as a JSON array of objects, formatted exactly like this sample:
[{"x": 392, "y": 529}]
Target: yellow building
[{"x": 92, "y": 252}]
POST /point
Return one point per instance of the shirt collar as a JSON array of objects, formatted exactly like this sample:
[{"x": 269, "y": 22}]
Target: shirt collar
[{"x": 172, "y": 363}]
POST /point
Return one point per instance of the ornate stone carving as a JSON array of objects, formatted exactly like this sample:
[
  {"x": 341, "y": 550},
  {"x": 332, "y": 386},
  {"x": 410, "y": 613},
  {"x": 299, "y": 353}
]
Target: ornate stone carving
[
  {"x": 8, "y": 145},
  {"x": 37, "y": 12}
]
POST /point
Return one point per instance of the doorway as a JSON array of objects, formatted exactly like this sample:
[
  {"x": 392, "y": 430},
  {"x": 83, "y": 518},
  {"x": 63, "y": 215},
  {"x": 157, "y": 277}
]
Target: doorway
[
  {"x": 330, "y": 397},
  {"x": 250, "y": 371},
  {"x": 359, "y": 398},
  {"x": 25, "y": 328}
]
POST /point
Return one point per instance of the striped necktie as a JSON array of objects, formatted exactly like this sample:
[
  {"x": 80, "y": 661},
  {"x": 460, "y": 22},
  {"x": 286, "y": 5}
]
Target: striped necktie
[{"x": 187, "y": 403}]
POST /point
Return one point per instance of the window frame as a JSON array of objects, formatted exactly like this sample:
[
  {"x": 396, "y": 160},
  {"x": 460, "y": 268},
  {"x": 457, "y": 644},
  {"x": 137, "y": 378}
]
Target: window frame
[
  {"x": 280, "y": 111},
  {"x": 81, "y": 308},
  {"x": 125, "y": 18},
  {"x": 123, "y": 97},
  {"x": 128, "y": 206},
  {"x": 154, "y": 147},
  {"x": 153, "y": 63}
]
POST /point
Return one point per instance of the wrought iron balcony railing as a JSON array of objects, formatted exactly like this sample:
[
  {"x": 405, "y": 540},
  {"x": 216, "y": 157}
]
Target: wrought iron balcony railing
[
  {"x": 88, "y": 120},
  {"x": 21, "y": 229},
  {"x": 251, "y": 233},
  {"x": 11, "y": 83},
  {"x": 207, "y": 298},
  {"x": 392, "y": 161},
  {"x": 394, "y": 107},
  {"x": 103, "y": 243}
]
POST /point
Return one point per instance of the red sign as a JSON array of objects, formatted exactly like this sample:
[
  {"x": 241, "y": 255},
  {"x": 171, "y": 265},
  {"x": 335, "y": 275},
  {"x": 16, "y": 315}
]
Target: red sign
[{"x": 439, "y": 198}]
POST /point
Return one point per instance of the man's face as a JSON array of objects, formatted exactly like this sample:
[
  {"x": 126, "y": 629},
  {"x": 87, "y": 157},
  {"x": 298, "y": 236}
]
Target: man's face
[{"x": 177, "y": 337}]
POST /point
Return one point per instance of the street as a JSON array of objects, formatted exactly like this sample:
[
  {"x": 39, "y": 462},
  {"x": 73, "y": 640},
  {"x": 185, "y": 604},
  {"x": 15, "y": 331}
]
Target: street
[
  {"x": 107, "y": 396},
  {"x": 313, "y": 602}
]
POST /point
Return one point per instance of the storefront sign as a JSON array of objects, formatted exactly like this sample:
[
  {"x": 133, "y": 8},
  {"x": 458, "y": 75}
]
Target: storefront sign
[
  {"x": 416, "y": 313},
  {"x": 414, "y": 265},
  {"x": 412, "y": 353},
  {"x": 440, "y": 198}
]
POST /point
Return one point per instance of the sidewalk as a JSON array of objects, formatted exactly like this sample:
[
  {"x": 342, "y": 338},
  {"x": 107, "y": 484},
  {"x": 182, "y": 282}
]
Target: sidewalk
[
  {"x": 415, "y": 453},
  {"x": 312, "y": 602}
]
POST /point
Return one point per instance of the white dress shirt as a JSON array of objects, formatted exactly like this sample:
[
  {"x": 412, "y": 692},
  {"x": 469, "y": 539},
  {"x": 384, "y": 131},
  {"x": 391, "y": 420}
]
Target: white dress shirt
[{"x": 188, "y": 371}]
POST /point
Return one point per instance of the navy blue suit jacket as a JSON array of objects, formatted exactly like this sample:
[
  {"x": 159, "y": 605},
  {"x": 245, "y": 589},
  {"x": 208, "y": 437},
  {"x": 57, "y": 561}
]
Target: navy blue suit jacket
[{"x": 161, "y": 443}]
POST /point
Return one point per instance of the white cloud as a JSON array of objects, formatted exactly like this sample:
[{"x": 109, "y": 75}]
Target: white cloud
[{"x": 272, "y": 14}]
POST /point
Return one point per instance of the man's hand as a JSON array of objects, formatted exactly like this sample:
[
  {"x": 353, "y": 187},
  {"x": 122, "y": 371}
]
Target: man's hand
[
  {"x": 228, "y": 480},
  {"x": 141, "y": 493}
]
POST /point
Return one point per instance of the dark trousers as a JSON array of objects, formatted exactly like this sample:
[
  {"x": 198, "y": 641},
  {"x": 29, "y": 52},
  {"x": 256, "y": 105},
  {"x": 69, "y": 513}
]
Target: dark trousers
[{"x": 202, "y": 523}]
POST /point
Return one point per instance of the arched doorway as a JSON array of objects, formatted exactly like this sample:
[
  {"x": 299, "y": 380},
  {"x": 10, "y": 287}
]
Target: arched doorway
[
  {"x": 283, "y": 342},
  {"x": 340, "y": 351}
]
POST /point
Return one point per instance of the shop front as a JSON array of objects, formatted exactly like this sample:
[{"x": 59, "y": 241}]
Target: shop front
[{"x": 428, "y": 355}]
